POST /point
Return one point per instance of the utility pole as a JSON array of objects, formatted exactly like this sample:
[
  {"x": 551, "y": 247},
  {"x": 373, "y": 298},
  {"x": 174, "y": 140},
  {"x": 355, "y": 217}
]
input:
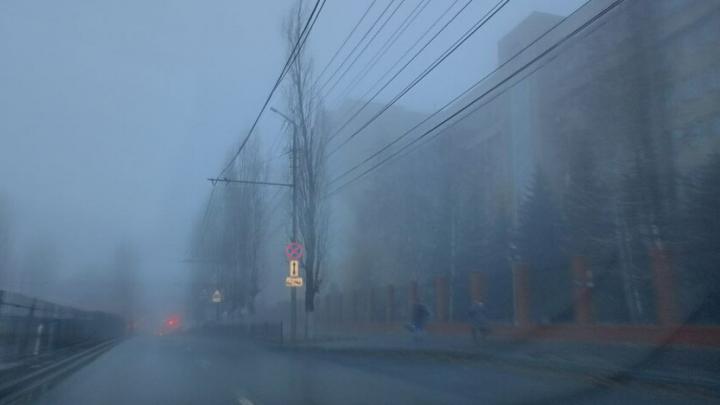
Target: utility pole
[
  {"x": 293, "y": 291},
  {"x": 294, "y": 237}
]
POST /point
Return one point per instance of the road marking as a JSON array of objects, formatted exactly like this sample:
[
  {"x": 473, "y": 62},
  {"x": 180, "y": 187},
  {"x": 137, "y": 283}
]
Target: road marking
[{"x": 244, "y": 401}]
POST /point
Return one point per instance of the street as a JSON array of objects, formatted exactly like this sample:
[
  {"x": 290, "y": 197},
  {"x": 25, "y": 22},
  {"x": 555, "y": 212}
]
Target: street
[{"x": 186, "y": 369}]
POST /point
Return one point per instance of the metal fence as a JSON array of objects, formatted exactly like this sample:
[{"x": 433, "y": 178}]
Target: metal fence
[{"x": 30, "y": 326}]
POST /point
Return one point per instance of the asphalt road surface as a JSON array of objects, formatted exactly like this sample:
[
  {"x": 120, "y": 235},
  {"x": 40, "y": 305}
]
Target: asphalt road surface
[{"x": 186, "y": 369}]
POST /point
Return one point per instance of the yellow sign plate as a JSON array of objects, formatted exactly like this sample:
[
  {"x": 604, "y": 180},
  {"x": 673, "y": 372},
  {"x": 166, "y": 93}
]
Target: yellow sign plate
[
  {"x": 293, "y": 282},
  {"x": 294, "y": 268}
]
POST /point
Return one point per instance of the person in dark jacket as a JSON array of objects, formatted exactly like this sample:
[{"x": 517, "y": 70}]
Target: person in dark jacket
[
  {"x": 419, "y": 316},
  {"x": 479, "y": 321}
]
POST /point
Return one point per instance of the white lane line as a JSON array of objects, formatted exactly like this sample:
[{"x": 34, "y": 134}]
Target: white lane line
[{"x": 244, "y": 401}]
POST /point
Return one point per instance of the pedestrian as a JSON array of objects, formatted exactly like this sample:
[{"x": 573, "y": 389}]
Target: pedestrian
[
  {"x": 479, "y": 320},
  {"x": 419, "y": 316}
]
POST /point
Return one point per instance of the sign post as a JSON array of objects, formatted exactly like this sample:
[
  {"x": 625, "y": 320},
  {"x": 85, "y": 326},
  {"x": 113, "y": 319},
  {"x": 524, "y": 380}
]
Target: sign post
[
  {"x": 217, "y": 299},
  {"x": 294, "y": 280},
  {"x": 294, "y": 252}
]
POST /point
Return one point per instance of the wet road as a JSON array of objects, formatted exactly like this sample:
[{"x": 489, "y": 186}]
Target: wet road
[{"x": 203, "y": 370}]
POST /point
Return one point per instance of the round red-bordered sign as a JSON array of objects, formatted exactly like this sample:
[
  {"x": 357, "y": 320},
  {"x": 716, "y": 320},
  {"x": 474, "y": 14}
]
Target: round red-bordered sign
[{"x": 294, "y": 251}]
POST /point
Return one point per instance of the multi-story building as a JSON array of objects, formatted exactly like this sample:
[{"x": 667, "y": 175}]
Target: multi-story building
[{"x": 636, "y": 89}]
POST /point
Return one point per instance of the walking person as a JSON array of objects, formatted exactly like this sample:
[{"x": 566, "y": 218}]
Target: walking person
[
  {"x": 419, "y": 316},
  {"x": 479, "y": 320}
]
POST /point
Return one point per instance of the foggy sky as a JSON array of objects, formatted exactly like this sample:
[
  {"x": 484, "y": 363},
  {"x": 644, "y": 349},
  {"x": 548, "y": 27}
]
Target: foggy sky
[{"x": 113, "y": 113}]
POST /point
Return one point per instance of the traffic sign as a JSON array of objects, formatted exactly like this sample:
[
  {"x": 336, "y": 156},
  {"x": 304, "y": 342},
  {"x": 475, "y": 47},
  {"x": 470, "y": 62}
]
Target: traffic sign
[
  {"x": 294, "y": 268},
  {"x": 293, "y": 282},
  {"x": 294, "y": 251},
  {"x": 217, "y": 297}
]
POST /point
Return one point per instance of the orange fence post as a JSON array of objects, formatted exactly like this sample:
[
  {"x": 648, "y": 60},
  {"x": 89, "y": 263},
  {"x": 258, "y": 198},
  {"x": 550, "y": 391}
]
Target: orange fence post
[
  {"x": 664, "y": 282},
  {"x": 582, "y": 291},
  {"x": 521, "y": 294}
]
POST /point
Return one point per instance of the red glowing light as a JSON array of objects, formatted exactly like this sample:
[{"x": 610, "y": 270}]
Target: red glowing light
[{"x": 173, "y": 321}]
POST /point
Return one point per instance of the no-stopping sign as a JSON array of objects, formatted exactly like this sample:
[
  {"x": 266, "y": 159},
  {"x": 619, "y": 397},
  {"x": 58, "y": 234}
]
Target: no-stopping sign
[{"x": 294, "y": 251}]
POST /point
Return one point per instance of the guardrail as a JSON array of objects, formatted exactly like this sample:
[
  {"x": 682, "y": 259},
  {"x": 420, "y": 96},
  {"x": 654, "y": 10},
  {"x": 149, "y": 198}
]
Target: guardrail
[
  {"x": 30, "y": 327},
  {"x": 24, "y": 382}
]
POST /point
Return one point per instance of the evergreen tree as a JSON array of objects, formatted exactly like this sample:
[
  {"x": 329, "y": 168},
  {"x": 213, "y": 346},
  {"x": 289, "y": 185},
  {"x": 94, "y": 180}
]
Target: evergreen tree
[
  {"x": 496, "y": 258},
  {"x": 539, "y": 239},
  {"x": 702, "y": 255},
  {"x": 590, "y": 231}
]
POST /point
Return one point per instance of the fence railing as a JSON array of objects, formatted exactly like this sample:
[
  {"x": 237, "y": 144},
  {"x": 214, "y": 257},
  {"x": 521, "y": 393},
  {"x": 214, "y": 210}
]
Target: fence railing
[{"x": 30, "y": 326}]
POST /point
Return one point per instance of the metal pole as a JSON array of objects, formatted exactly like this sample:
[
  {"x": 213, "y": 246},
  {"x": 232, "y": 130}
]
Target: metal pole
[
  {"x": 217, "y": 288},
  {"x": 293, "y": 290}
]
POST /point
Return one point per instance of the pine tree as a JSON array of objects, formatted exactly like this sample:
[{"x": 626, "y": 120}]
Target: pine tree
[
  {"x": 702, "y": 228},
  {"x": 539, "y": 239},
  {"x": 590, "y": 231},
  {"x": 496, "y": 258}
]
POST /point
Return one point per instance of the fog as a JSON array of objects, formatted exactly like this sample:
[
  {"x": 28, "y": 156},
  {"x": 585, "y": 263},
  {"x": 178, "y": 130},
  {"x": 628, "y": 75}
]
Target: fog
[{"x": 114, "y": 114}]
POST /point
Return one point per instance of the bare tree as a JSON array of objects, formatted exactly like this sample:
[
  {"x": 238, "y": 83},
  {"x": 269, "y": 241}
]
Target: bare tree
[
  {"x": 245, "y": 227},
  {"x": 228, "y": 239},
  {"x": 305, "y": 108}
]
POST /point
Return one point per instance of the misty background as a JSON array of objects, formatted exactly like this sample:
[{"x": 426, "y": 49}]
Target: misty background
[{"x": 113, "y": 114}]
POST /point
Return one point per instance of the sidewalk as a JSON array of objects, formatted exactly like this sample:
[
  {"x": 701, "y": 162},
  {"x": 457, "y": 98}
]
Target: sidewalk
[{"x": 696, "y": 368}]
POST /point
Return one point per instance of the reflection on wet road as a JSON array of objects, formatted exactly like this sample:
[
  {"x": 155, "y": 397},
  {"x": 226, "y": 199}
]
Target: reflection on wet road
[{"x": 203, "y": 370}]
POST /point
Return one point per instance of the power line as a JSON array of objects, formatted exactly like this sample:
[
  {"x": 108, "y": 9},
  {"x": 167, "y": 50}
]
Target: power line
[
  {"x": 409, "y": 49},
  {"x": 241, "y": 181},
  {"x": 345, "y": 41},
  {"x": 427, "y": 43},
  {"x": 399, "y": 31},
  {"x": 352, "y": 51},
  {"x": 455, "y": 99},
  {"x": 314, "y": 14},
  {"x": 481, "y": 96},
  {"x": 367, "y": 44},
  {"x": 480, "y": 23}
]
